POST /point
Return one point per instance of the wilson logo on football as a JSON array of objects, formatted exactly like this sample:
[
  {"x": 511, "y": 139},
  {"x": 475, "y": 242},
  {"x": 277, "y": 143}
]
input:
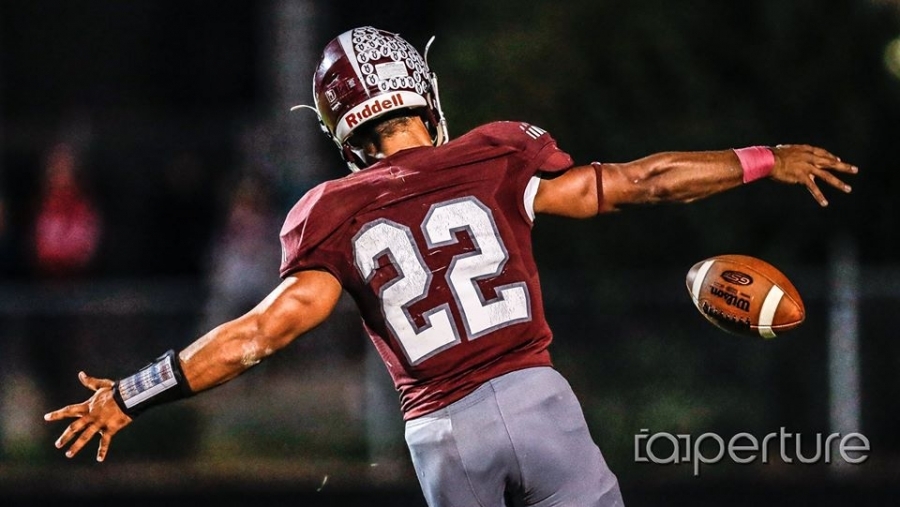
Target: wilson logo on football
[
  {"x": 736, "y": 277},
  {"x": 731, "y": 299}
]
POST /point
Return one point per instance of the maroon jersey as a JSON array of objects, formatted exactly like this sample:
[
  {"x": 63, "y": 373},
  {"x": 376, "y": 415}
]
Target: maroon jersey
[{"x": 434, "y": 245}]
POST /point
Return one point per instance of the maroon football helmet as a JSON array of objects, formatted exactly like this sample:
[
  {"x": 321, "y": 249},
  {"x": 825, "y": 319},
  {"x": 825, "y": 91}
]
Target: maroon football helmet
[{"x": 365, "y": 73}]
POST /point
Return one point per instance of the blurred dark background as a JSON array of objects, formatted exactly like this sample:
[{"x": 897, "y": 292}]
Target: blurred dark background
[{"x": 147, "y": 159}]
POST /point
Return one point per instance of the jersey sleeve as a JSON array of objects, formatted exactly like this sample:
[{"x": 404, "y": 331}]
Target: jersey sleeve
[
  {"x": 535, "y": 145},
  {"x": 551, "y": 158},
  {"x": 305, "y": 237},
  {"x": 536, "y": 152}
]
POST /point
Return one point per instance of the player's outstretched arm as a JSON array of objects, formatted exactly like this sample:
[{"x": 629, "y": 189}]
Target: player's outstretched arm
[
  {"x": 298, "y": 304},
  {"x": 684, "y": 177}
]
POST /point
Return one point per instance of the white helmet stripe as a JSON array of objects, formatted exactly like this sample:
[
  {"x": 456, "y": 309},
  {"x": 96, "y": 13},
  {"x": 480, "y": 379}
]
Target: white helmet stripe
[{"x": 346, "y": 41}]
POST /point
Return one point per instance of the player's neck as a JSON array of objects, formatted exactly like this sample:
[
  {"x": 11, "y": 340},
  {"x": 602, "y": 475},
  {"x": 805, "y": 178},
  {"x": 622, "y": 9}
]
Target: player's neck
[{"x": 413, "y": 136}]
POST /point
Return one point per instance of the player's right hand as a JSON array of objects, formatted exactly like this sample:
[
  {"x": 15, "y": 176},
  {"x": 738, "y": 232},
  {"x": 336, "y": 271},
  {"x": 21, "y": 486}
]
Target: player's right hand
[{"x": 99, "y": 414}]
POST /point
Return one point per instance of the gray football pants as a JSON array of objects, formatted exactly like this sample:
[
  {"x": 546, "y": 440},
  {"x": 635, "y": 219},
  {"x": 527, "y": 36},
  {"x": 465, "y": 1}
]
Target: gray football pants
[{"x": 520, "y": 439}]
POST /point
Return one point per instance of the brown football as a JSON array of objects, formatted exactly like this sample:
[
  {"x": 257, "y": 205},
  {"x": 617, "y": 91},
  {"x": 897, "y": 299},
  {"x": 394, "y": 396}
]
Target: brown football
[{"x": 745, "y": 295}]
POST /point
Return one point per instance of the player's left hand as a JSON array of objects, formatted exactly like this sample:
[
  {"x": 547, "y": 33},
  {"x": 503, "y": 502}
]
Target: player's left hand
[
  {"x": 803, "y": 164},
  {"x": 99, "y": 414}
]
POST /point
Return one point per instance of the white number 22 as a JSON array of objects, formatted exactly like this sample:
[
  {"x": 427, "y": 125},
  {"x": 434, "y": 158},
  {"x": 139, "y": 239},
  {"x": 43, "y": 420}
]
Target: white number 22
[{"x": 480, "y": 315}]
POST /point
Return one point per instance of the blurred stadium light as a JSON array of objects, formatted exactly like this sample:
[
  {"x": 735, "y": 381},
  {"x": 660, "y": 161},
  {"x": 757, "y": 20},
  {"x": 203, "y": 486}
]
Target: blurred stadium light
[{"x": 892, "y": 57}]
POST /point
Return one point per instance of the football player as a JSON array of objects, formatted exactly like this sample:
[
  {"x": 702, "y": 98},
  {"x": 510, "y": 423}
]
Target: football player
[{"x": 431, "y": 238}]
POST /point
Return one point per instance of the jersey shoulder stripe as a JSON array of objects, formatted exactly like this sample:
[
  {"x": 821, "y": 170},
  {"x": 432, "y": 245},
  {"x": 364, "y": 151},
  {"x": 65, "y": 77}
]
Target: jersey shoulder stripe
[{"x": 535, "y": 142}]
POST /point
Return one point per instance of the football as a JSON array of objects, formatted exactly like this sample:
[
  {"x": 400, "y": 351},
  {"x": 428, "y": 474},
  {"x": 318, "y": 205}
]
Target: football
[{"x": 745, "y": 295}]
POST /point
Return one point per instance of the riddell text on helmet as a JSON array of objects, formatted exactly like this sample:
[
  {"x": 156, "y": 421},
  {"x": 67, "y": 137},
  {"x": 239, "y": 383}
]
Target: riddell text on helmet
[{"x": 370, "y": 109}]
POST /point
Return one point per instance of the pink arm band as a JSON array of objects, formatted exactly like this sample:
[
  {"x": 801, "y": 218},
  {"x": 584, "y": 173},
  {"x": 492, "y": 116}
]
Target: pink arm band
[{"x": 756, "y": 161}]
